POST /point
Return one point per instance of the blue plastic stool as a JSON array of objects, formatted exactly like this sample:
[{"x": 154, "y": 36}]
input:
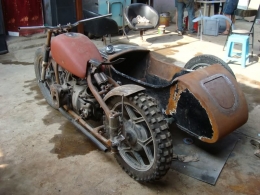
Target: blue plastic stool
[{"x": 244, "y": 55}]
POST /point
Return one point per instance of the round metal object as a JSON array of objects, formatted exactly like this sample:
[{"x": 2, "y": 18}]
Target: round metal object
[
  {"x": 134, "y": 132},
  {"x": 110, "y": 49},
  {"x": 188, "y": 141}
]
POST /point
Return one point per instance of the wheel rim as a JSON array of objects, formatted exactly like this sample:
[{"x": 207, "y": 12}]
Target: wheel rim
[
  {"x": 199, "y": 65},
  {"x": 138, "y": 149}
]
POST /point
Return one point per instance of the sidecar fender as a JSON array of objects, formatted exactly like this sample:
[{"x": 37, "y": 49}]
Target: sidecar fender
[
  {"x": 208, "y": 103},
  {"x": 124, "y": 90}
]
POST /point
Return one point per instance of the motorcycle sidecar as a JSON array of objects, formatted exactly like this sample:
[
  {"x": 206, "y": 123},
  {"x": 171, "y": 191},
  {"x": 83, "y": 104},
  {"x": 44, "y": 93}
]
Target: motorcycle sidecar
[{"x": 206, "y": 103}]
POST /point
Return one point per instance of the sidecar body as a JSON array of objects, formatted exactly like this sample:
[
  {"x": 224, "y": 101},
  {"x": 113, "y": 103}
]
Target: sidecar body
[{"x": 206, "y": 103}]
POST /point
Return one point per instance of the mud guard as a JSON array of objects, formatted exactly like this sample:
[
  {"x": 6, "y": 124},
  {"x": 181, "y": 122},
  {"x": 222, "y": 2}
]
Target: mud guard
[
  {"x": 125, "y": 90},
  {"x": 208, "y": 103}
]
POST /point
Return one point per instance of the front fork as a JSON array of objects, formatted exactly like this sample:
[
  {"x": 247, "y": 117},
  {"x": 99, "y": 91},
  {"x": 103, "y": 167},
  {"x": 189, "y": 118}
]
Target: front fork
[{"x": 46, "y": 55}]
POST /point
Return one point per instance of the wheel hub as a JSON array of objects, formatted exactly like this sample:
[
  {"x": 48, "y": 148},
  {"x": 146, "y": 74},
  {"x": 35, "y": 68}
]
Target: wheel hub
[{"x": 134, "y": 133}]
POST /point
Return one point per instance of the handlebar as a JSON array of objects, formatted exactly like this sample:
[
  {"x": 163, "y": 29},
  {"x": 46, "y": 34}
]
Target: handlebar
[{"x": 59, "y": 27}]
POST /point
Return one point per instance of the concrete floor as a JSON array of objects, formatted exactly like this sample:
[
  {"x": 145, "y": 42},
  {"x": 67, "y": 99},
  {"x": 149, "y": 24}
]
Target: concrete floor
[{"x": 42, "y": 153}]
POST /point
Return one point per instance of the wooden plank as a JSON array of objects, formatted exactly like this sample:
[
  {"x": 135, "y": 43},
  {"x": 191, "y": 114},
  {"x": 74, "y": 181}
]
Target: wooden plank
[{"x": 79, "y": 14}]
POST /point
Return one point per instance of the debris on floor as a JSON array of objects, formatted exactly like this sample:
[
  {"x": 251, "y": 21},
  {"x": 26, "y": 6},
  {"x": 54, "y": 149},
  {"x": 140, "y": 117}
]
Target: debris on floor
[
  {"x": 257, "y": 153},
  {"x": 257, "y": 145},
  {"x": 186, "y": 158}
]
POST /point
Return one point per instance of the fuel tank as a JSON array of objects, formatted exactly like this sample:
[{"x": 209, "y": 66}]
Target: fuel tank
[{"x": 72, "y": 51}]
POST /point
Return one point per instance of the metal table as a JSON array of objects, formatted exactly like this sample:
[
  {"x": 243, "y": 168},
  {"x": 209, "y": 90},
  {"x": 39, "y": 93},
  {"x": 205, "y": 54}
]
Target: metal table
[
  {"x": 208, "y": 2},
  {"x": 205, "y": 9}
]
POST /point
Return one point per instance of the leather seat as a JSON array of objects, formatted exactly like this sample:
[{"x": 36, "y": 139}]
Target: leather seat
[{"x": 99, "y": 27}]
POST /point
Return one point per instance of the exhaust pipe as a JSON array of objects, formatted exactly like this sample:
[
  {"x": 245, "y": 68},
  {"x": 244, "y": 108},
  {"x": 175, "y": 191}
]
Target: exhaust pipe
[{"x": 83, "y": 130}]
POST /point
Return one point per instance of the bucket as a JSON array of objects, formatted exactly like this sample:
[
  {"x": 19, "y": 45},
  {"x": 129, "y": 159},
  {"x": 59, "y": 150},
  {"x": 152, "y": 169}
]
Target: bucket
[
  {"x": 165, "y": 19},
  {"x": 186, "y": 21},
  {"x": 161, "y": 29}
]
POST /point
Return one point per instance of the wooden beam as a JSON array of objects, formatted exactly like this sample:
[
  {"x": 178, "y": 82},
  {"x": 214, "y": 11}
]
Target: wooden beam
[{"x": 79, "y": 14}]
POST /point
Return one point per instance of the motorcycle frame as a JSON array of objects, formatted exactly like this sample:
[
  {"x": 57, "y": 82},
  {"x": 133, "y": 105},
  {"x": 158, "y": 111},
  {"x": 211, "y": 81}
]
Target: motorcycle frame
[{"x": 113, "y": 117}]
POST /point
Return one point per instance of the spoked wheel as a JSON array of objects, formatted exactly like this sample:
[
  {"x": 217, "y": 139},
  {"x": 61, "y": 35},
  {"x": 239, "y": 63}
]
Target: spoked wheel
[
  {"x": 203, "y": 61},
  {"x": 146, "y": 152},
  {"x": 50, "y": 77}
]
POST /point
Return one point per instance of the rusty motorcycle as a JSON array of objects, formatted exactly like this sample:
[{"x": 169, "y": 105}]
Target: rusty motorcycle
[{"x": 120, "y": 98}]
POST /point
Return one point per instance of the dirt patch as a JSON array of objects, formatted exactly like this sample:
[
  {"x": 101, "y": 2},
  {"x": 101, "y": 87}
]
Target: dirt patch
[
  {"x": 11, "y": 181},
  {"x": 244, "y": 79},
  {"x": 198, "y": 54},
  {"x": 251, "y": 89},
  {"x": 33, "y": 86},
  {"x": 166, "y": 51},
  {"x": 182, "y": 43},
  {"x": 71, "y": 142},
  {"x": 252, "y": 96},
  {"x": 16, "y": 63}
]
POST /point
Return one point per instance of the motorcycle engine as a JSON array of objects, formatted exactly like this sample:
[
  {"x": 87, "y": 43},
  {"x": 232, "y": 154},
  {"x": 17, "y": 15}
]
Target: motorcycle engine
[
  {"x": 84, "y": 103},
  {"x": 80, "y": 97}
]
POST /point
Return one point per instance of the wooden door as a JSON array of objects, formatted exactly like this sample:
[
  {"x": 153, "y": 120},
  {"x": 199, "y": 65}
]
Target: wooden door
[
  {"x": 22, "y": 13},
  {"x": 3, "y": 46}
]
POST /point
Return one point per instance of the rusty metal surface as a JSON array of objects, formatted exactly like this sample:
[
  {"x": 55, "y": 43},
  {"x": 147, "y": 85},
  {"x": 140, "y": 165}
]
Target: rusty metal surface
[
  {"x": 145, "y": 69},
  {"x": 162, "y": 69},
  {"x": 112, "y": 81},
  {"x": 218, "y": 97},
  {"x": 55, "y": 68},
  {"x": 175, "y": 92},
  {"x": 218, "y": 87},
  {"x": 125, "y": 90},
  {"x": 222, "y": 92},
  {"x": 83, "y": 50},
  {"x": 94, "y": 131},
  {"x": 127, "y": 50},
  {"x": 97, "y": 96},
  {"x": 117, "y": 49}
]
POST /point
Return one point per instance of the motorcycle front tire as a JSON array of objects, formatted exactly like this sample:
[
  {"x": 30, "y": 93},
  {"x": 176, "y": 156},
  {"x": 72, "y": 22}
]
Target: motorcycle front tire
[{"x": 44, "y": 86}]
